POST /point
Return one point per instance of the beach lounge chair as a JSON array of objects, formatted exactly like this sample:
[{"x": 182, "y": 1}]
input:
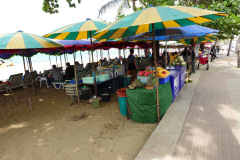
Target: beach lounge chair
[
  {"x": 43, "y": 79},
  {"x": 5, "y": 87},
  {"x": 15, "y": 81},
  {"x": 72, "y": 92}
]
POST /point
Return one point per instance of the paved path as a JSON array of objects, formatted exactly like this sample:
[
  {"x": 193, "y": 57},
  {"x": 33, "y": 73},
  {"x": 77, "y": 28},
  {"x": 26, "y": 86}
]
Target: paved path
[{"x": 204, "y": 121}]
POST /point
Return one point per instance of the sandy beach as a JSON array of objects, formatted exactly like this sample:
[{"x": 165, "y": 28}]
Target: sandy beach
[{"x": 45, "y": 133}]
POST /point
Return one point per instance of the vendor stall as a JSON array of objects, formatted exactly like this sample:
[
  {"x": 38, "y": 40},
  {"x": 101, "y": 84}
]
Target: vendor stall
[{"x": 142, "y": 103}]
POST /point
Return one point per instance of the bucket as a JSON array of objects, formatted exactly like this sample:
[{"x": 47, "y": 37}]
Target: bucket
[
  {"x": 86, "y": 93},
  {"x": 122, "y": 99},
  {"x": 105, "y": 97},
  {"x": 128, "y": 80}
]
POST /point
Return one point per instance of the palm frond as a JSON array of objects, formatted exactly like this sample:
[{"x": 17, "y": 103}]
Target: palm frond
[
  {"x": 124, "y": 4},
  {"x": 107, "y": 6}
]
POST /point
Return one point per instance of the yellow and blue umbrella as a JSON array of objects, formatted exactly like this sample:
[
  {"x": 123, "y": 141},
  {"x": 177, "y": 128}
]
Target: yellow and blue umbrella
[
  {"x": 162, "y": 17},
  {"x": 77, "y": 31}
]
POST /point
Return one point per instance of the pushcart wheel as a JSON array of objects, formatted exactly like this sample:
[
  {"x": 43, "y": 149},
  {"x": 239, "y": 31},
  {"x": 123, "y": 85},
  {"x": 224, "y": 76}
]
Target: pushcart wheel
[{"x": 207, "y": 67}]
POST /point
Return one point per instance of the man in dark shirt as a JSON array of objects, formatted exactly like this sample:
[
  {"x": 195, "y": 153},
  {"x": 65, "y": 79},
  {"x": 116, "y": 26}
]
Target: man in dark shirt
[{"x": 69, "y": 71}]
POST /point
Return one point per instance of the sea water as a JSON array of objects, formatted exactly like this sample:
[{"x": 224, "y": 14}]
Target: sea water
[{"x": 42, "y": 62}]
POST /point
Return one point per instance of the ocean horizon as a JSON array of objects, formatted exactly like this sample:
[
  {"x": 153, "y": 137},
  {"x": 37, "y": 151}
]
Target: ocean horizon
[{"x": 42, "y": 62}]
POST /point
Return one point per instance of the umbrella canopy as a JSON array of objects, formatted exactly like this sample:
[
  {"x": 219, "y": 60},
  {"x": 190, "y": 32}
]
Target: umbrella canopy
[
  {"x": 14, "y": 43},
  {"x": 77, "y": 31},
  {"x": 174, "y": 33},
  {"x": 21, "y": 40},
  {"x": 201, "y": 39},
  {"x": 161, "y": 17}
]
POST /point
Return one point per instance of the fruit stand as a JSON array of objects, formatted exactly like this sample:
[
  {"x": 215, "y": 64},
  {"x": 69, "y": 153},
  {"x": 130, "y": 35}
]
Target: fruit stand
[{"x": 142, "y": 103}]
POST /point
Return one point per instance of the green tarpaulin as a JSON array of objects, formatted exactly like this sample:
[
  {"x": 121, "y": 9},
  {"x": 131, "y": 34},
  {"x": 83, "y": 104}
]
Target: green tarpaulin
[{"x": 143, "y": 106}]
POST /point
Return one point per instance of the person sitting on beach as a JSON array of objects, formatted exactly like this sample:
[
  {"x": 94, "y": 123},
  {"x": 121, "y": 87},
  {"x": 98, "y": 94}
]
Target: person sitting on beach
[
  {"x": 79, "y": 66},
  {"x": 55, "y": 75},
  {"x": 69, "y": 71}
]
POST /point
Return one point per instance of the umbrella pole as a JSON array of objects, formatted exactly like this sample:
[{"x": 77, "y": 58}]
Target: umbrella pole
[
  {"x": 56, "y": 60},
  {"x": 50, "y": 61},
  {"x": 29, "y": 99},
  {"x": 187, "y": 58},
  {"x": 61, "y": 60},
  {"x": 108, "y": 55},
  {"x": 75, "y": 72},
  {"x": 65, "y": 60},
  {"x": 97, "y": 55},
  {"x": 156, "y": 78},
  {"x": 101, "y": 54},
  {"x": 32, "y": 75},
  {"x": 166, "y": 54},
  {"x": 81, "y": 57},
  {"x": 125, "y": 67},
  {"x": 138, "y": 51},
  {"x": 94, "y": 72}
]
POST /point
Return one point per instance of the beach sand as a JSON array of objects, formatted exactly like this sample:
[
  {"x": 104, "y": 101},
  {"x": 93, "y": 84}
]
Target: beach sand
[{"x": 46, "y": 134}]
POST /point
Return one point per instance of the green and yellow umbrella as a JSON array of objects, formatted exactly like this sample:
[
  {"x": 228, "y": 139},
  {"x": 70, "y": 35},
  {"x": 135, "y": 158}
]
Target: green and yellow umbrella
[
  {"x": 201, "y": 39},
  {"x": 162, "y": 17},
  {"x": 21, "y": 40},
  {"x": 77, "y": 31},
  {"x": 153, "y": 18}
]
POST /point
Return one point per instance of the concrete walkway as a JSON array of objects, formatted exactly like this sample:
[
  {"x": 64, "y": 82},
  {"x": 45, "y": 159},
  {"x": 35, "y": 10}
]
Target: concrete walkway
[{"x": 204, "y": 121}]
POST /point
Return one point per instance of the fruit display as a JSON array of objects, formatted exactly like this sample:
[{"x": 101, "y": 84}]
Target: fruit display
[
  {"x": 162, "y": 73},
  {"x": 178, "y": 62},
  {"x": 136, "y": 84},
  {"x": 150, "y": 82}
]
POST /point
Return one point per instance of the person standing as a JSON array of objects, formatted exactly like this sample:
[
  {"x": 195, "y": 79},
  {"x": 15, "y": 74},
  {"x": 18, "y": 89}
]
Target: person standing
[
  {"x": 213, "y": 53},
  {"x": 69, "y": 71},
  {"x": 132, "y": 66}
]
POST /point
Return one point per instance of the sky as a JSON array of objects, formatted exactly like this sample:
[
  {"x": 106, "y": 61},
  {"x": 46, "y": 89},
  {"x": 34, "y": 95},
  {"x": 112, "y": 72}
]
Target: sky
[{"x": 27, "y": 15}]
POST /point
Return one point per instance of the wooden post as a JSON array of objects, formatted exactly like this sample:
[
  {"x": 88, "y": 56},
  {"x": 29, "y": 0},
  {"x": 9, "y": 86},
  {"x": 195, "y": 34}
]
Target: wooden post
[
  {"x": 94, "y": 72},
  {"x": 156, "y": 78},
  {"x": 61, "y": 60},
  {"x": 75, "y": 72},
  {"x": 29, "y": 98},
  {"x": 81, "y": 57},
  {"x": 50, "y": 61},
  {"x": 166, "y": 54},
  {"x": 65, "y": 60}
]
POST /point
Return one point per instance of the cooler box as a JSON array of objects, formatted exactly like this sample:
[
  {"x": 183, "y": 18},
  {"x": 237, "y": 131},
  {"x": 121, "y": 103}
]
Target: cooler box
[
  {"x": 182, "y": 70},
  {"x": 174, "y": 80},
  {"x": 164, "y": 80}
]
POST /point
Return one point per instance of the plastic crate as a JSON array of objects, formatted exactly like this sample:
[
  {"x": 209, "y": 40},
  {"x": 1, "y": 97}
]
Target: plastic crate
[
  {"x": 103, "y": 77},
  {"x": 164, "y": 80},
  {"x": 174, "y": 80},
  {"x": 89, "y": 80},
  {"x": 142, "y": 79}
]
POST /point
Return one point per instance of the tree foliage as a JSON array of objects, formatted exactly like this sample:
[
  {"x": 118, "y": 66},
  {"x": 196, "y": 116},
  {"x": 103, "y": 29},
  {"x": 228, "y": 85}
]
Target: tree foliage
[
  {"x": 51, "y": 6},
  {"x": 229, "y": 25}
]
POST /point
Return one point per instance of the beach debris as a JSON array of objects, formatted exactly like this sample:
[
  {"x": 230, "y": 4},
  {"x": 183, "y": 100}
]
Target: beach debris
[{"x": 77, "y": 117}]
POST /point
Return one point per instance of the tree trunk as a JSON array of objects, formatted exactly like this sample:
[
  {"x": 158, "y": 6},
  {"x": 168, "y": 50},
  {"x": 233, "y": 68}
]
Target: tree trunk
[
  {"x": 238, "y": 59},
  {"x": 230, "y": 44},
  {"x": 238, "y": 52}
]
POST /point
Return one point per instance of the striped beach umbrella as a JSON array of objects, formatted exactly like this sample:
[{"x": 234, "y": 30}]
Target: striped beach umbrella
[
  {"x": 153, "y": 18},
  {"x": 162, "y": 17},
  {"x": 201, "y": 39},
  {"x": 77, "y": 31},
  {"x": 21, "y": 41}
]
